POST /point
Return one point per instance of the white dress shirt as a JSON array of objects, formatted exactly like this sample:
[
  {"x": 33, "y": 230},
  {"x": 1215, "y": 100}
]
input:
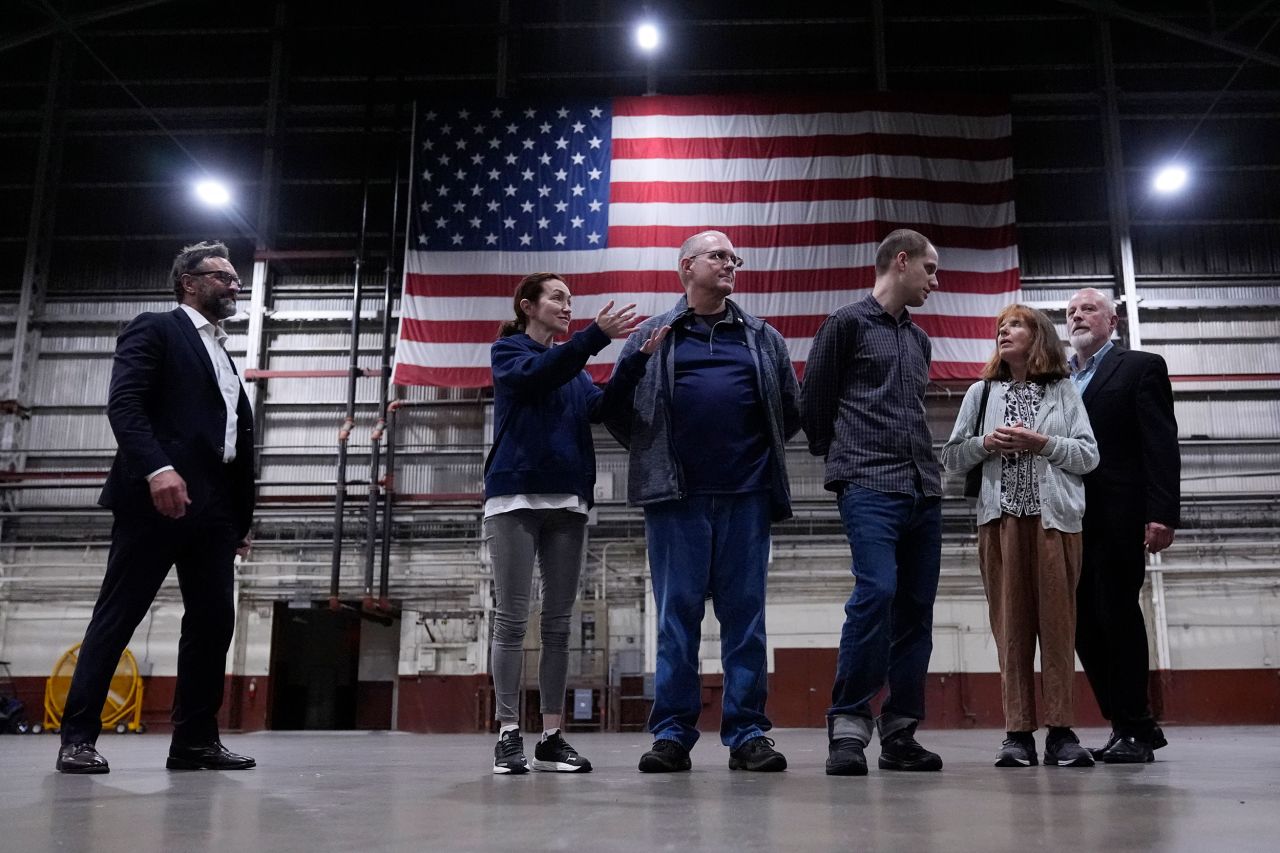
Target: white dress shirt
[{"x": 215, "y": 340}]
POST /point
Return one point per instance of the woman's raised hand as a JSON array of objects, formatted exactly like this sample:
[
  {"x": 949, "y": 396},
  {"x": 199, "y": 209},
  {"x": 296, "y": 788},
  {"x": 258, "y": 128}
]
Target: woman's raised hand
[
  {"x": 650, "y": 346},
  {"x": 617, "y": 324}
]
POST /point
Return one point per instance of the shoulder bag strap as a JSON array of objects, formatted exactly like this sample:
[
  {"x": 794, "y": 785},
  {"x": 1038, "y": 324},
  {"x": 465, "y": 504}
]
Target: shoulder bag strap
[{"x": 980, "y": 421}]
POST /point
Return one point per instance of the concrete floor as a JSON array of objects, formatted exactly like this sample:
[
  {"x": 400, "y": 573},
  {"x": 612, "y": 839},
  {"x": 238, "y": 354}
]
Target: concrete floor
[{"x": 1212, "y": 789}]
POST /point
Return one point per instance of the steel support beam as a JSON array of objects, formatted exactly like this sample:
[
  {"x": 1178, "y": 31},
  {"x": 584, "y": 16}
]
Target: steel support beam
[
  {"x": 35, "y": 262},
  {"x": 1246, "y": 17},
  {"x": 78, "y": 21},
  {"x": 504, "y": 49},
  {"x": 878, "y": 49},
  {"x": 1117, "y": 193},
  {"x": 1102, "y": 7},
  {"x": 267, "y": 207}
]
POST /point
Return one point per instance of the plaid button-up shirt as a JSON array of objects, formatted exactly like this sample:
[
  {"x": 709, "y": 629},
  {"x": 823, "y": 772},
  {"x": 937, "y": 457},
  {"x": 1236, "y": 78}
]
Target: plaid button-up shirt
[{"x": 862, "y": 402}]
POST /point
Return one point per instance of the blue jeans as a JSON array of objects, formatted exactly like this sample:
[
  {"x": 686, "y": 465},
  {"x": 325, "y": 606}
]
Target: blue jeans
[
  {"x": 717, "y": 544},
  {"x": 896, "y": 542}
]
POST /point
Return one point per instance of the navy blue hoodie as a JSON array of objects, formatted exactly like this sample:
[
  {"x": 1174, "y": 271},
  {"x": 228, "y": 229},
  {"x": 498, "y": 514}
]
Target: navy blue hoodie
[{"x": 543, "y": 406}]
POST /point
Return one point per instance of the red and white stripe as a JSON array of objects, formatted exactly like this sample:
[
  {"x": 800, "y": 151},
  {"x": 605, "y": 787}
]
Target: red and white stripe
[{"x": 804, "y": 187}]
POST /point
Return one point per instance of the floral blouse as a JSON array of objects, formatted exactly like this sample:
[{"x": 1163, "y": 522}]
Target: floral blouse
[{"x": 1019, "y": 487}]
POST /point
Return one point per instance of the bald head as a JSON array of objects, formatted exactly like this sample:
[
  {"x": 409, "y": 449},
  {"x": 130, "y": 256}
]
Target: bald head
[
  {"x": 700, "y": 242},
  {"x": 708, "y": 268}
]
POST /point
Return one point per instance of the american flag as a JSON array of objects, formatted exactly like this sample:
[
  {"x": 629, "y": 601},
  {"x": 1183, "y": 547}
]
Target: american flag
[{"x": 604, "y": 191}]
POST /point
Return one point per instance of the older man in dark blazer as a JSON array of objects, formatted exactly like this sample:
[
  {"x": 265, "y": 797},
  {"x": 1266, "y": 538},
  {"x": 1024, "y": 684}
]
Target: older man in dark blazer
[
  {"x": 181, "y": 492},
  {"x": 1131, "y": 507}
]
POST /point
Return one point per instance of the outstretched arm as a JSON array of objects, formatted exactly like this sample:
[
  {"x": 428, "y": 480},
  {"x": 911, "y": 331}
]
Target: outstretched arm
[
  {"x": 616, "y": 401},
  {"x": 528, "y": 373}
]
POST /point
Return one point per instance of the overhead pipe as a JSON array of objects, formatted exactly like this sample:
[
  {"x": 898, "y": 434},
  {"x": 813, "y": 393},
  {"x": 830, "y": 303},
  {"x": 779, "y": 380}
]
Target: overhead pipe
[
  {"x": 353, "y": 370},
  {"x": 377, "y": 492},
  {"x": 371, "y": 510},
  {"x": 388, "y": 504}
]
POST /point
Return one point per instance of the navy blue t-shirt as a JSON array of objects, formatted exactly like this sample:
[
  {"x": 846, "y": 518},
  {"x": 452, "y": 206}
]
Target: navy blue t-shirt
[{"x": 721, "y": 434}]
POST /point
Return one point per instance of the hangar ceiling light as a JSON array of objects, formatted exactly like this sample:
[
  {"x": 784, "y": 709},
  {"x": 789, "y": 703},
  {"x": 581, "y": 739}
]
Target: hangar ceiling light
[
  {"x": 1170, "y": 179},
  {"x": 213, "y": 193},
  {"x": 648, "y": 37}
]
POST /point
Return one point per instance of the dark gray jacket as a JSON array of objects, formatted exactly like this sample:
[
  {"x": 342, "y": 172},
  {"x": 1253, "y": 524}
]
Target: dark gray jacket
[{"x": 654, "y": 473}]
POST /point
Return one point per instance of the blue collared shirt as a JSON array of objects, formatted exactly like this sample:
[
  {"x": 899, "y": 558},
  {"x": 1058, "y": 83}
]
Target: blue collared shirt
[
  {"x": 1082, "y": 376},
  {"x": 716, "y": 385}
]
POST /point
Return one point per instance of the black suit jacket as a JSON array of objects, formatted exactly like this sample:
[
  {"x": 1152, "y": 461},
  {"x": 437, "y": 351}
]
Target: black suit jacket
[
  {"x": 1130, "y": 406},
  {"x": 165, "y": 408}
]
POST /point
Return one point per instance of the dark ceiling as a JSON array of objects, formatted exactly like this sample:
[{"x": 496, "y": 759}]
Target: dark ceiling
[{"x": 108, "y": 107}]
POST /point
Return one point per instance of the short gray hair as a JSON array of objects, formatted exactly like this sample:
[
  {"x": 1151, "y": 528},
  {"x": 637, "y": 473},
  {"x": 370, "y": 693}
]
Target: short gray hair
[
  {"x": 1108, "y": 302},
  {"x": 190, "y": 257}
]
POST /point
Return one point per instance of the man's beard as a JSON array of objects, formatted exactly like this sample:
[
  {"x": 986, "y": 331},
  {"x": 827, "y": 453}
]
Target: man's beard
[
  {"x": 215, "y": 305},
  {"x": 1083, "y": 339},
  {"x": 221, "y": 307}
]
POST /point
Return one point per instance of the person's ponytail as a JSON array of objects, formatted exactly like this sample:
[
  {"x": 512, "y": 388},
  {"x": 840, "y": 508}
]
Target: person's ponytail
[{"x": 530, "y": 287}]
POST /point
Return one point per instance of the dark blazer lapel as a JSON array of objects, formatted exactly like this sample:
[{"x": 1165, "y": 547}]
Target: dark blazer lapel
[
  {"x": 1105, "y": 371},
  {"x": 193, "y": 338}
]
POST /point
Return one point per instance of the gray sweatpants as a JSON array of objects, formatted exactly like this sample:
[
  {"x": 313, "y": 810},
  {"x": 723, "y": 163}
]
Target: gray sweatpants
[{"x": 554, "y": 537}]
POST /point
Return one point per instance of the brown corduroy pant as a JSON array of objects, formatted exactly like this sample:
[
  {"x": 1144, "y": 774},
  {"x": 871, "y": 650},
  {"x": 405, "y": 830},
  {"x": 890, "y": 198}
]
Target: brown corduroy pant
[{"x": 1030, "y": 576}]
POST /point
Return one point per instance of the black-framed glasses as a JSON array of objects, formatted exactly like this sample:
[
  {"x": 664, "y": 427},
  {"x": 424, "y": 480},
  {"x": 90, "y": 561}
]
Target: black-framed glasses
[
  {"x": 222, "y": 276},
  {"x": 721, "y": 256}
]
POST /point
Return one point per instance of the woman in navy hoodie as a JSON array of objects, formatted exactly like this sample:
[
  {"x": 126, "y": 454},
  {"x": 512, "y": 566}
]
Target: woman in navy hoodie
[{"x": 538, "y": 485}]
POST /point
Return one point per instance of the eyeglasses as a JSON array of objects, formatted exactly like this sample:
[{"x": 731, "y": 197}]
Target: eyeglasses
[
  {"x": 221, "y": 276},
  {"x": 720, "y": 256}
]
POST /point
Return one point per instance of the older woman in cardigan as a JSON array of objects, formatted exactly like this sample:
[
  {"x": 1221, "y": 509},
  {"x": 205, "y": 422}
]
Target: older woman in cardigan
[{"x": 1034, "y": 443}]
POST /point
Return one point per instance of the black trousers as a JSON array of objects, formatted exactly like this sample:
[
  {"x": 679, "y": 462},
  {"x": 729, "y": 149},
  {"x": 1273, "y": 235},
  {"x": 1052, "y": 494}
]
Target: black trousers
[
  {"x": 143, "y": 549},
  {"x": 1111, "y": 634}
]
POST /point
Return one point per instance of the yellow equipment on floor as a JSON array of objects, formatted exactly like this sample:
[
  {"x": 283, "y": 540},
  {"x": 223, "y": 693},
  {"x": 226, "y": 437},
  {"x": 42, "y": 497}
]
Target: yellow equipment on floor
[{"x": 123, "y": 708}]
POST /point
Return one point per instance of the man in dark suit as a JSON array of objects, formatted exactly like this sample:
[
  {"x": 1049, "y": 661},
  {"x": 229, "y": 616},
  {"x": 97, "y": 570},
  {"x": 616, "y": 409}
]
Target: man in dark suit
[
  {"x": 1131, "y": 506},
  {"x": 181, "y": 492}
]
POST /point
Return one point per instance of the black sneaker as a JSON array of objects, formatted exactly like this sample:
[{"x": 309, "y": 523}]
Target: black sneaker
[
  {"x": 1018, "y": 750},
  {"x": 757, "y": 754},
  {"x": 666, "y": 756},
  {"x": 1063, "y": 749},
  {"x": 508, "y": 755},
  {"x": 845, "y": 757},
  {"x": 555, "y": 755},
  {"x": 901, "y": 751}
]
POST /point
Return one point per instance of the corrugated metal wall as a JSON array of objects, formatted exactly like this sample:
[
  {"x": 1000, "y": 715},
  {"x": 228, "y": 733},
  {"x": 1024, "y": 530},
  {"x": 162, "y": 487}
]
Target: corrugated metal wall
[{"x": 293, "y": 133}]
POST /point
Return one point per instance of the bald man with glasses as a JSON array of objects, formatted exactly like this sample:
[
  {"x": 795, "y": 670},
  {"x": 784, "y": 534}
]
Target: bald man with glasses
[
  {"x": 181, "y": 493},
  {"x": 707, "y": 432}
]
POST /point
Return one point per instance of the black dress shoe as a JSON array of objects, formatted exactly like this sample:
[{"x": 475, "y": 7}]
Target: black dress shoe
[
  {"x": 81, "y": 758},
  {"x": 1099, "y": 752},
  {"x": 1129, "y": 750},
  {"x": 212, "y": 756}
]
